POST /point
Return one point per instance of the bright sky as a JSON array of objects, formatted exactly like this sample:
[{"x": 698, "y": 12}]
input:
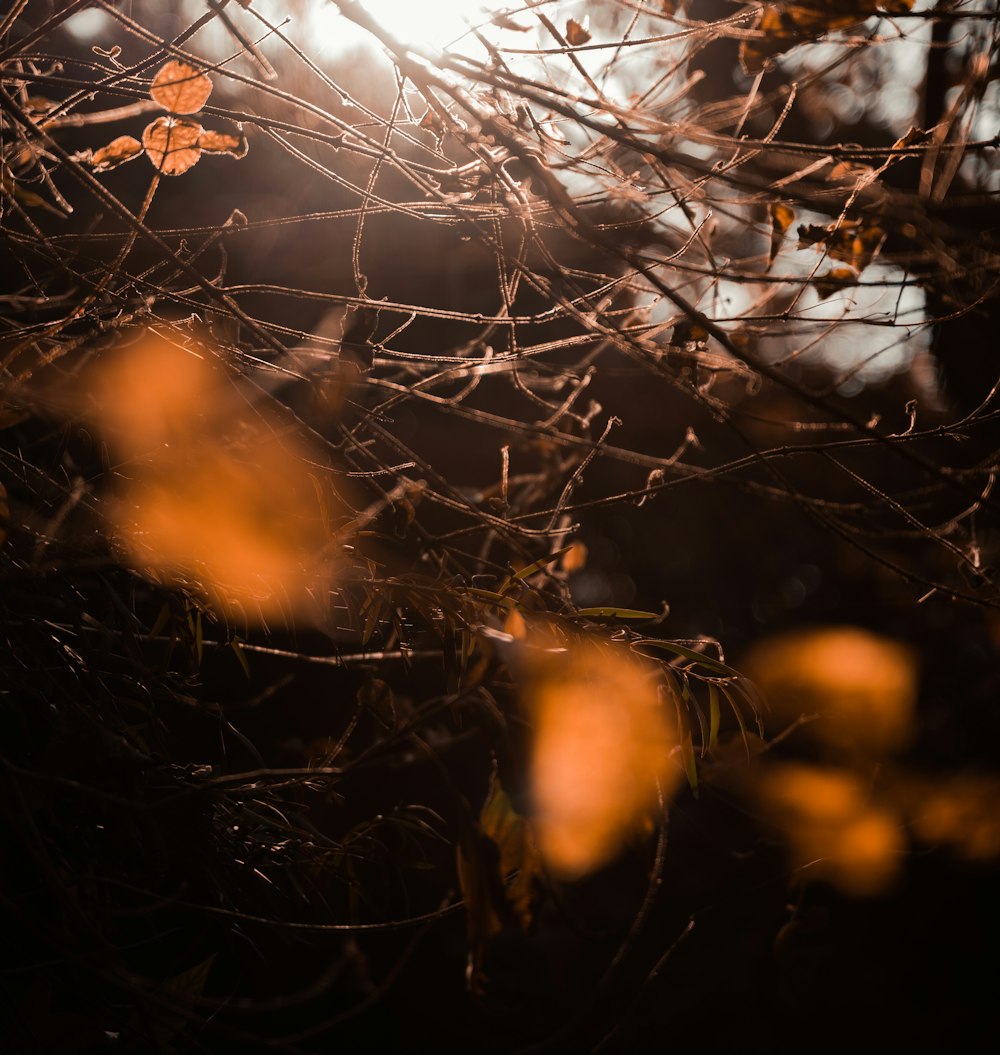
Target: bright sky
[{"x": 433, "y": 24}]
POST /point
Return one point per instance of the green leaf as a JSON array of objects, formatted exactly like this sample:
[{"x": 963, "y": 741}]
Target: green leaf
[
  {"x": 236, "y": 645},
  {"x": 714, "y": 715},
  {"x": 739, "y": 718},
  {"x": 617, "y": 613},
  {"x": 526, "y": 573},
  {"x": 714, "y": 665}
]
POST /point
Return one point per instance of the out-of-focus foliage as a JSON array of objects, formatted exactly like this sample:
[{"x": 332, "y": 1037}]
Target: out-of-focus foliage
[
  {"x": 858, "y": 691},
  {"x": 345, "y": 480},
  {"x": 602, "y": 751}
]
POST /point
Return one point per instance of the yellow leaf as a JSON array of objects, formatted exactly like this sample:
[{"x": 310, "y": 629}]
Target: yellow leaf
[
  {"x": 180, "y": 88},
  {"x": 172, "y": 144}
]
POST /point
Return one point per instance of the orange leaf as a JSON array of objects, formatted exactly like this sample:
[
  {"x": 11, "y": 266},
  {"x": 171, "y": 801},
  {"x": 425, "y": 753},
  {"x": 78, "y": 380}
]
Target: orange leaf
[
  {"x": 180, "y": 88},
  {"x": 781, "y": 220},
  {"x": 575, "y": 558},
  {"x": 173, "y": 144},
  {"x": 775, "y": 37},
  {"x": 834, "y": 280},
  {"x": 116, "y": 153},
  {"x": 602, "y": 742},
  {"x": 223, "y": 143}
]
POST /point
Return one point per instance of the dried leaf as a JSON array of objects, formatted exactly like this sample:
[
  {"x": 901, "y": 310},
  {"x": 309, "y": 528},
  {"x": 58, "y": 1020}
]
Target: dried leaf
[
  {"x": 812, "y": 234},
  {"x": 498, "y": 846},
  {"x": 509, "y": 830},
  {"x": 857, "y": 248},
  {"x": 908, "y": 138},
  {"x": 116, "y": 153},
  {"x": 688, "y": 332},
  {"x": 781, "y": 219},
  {"x": 781, "y": 29},
  {"x": 180, "y": 88},
  {"x": 172, "y": 144},
  {"x": 576, "y": 34},
  {"x": 223, "y": 143},
  {"x": 848, "y": 241},
  {"x": 834, "y": 280},
  {"x": 431, "y": 121}
]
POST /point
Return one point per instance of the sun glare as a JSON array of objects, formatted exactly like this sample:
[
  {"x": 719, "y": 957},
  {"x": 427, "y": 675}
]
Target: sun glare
[{"x": 434, "y": 25}]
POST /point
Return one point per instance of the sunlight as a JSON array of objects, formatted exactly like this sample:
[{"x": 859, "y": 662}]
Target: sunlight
[{"x": 433, "y": 25}]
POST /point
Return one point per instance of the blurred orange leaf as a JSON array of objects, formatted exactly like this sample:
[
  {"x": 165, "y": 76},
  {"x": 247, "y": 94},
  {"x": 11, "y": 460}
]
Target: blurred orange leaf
[
  {"x": 575, "y": 558},
  {"x": 834, "y": 833},
  {"x": 860, "y": 688},
  {"x": 180, "y": 88},
  {"x": 602, "y": 742},
  {"x": 214, "y": 499}
]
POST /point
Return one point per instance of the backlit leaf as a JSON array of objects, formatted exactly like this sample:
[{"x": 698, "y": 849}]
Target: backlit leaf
[
  {"x": 860, "y": 687},
  {"x": 172, "y": 144},
  {"x": 850, "y": 241},
  {"x": 223, "y": 143},
  {"x": 602, "y": 743},
  {"x": 212, "y": 499},
  {"x": 116, "y": 153},
  {"x": 575, "y": 558},
  {"x": 833, "y": 830},
  {"x": 180, "y": 88}
]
